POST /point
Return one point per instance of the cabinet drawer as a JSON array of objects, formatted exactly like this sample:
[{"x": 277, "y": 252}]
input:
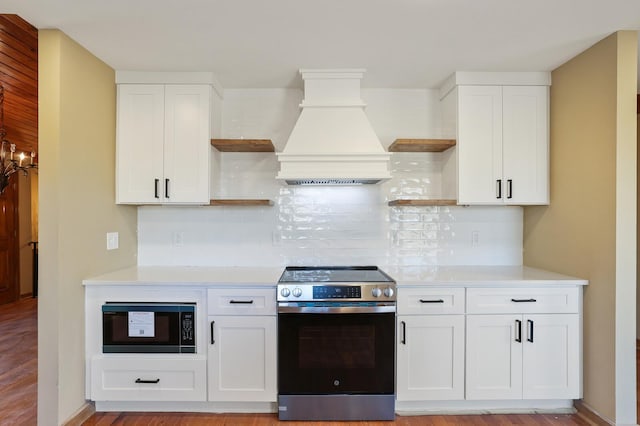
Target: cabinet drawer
[
  {"x": 148, "y": 379},
  {"x": 522, "y": 300},
  {"x": 241, "y": 301},
  {"x": 430, "y": 301}
]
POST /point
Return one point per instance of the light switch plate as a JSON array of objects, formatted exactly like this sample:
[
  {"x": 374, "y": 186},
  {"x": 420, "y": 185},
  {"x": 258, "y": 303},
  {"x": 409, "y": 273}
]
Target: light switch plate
[{"x": 112, "y": 240}]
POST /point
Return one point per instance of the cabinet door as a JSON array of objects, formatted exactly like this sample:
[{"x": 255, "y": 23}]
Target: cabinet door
[
  {"x": 242, "y": 358},
  {"x": 187, "y": 144},
  {"x": 479, "y": 145},
  {"x": 430, "y": 362},
  {"x": 494, "y": 357},
  {"x": 139, "y": 147},
  {"x": 551, "y": 356},
  {"x": 525, "y": 135}
]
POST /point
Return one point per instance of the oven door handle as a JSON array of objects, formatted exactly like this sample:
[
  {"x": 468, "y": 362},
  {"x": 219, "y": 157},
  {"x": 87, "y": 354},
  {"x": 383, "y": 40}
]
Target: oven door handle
[{"x": 336, "y": 309}]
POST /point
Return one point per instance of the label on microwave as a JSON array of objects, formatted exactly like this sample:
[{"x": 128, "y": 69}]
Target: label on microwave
[{"x": 141, "y": 324}]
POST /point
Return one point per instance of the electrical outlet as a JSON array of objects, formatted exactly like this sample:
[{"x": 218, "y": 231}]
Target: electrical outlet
[
  {"x": 475, "y": 238},
  {"x": 112, "y": 240},
  {"x": 178, "y": 239}
]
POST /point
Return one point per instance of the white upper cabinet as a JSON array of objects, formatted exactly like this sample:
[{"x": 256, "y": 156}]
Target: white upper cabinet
[
  {"x": 525, "y": 144},
  {"x": 502, "y": 133},
  {"x": 479, "y": 144},
  {"x": 163, "y": 144}
]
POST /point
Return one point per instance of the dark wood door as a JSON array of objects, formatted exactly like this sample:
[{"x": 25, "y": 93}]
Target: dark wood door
[{"x": 9, "y": 271}]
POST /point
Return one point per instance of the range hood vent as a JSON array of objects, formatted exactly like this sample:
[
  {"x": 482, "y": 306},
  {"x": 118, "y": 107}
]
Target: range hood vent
[
  {"x": 333, "y": 142},
  {"x": 332, "y": 181}
]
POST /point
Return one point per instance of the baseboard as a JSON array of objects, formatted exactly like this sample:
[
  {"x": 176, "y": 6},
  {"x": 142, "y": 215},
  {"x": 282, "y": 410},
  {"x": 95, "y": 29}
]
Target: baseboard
[
  {"x": 26, "y": 295},
  {"x": 590, "y": 415},
  {"x": 80, "y": 416}
]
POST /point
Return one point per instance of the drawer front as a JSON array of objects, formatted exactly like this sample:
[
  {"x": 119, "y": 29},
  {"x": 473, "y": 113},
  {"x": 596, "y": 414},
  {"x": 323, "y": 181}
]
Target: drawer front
[
  {"x": 241, "y": 301},
  {"x": 417, "y": 301},
  {"x": 148, "y": 379},
  {"x": 523, "y": 300}
]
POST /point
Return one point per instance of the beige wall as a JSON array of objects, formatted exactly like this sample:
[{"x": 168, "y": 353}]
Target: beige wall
[
  {"x": 76, "y": 202},
  {"x": 589, "y": 229}
]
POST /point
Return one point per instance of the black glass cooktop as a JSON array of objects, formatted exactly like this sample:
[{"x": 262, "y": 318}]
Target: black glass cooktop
[{"x": 331, "y": 274}]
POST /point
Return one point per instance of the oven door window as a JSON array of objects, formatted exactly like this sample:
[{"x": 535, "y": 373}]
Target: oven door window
[{"x": 336, "y": 353}]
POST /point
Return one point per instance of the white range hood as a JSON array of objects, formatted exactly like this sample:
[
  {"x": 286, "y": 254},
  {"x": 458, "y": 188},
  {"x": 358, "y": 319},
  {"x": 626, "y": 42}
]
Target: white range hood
[{"x": 333, "y": 142}]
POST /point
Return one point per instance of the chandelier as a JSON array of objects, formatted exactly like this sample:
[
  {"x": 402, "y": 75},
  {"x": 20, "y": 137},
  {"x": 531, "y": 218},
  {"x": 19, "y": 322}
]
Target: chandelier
[{"x": 10, "y": 162}]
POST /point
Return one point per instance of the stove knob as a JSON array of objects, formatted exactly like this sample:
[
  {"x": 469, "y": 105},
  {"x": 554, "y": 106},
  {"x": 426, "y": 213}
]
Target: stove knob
[
  {"x": 376, "y": 292},
  {"x": 297, "y": 292},
  {"x": 388, "y": 292},
  {"x": 285, "y": 292}
]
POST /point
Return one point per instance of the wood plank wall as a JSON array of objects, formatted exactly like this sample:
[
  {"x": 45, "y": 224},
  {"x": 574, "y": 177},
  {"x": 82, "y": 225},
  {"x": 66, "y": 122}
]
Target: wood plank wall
[{"x": 19, "y": 76}]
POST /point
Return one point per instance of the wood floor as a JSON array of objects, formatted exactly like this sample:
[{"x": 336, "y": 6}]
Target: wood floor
[
  {"x": 107, "y": 419},
  {"x": 18, "y": 392},
  {"x": 18, "y": 362}
]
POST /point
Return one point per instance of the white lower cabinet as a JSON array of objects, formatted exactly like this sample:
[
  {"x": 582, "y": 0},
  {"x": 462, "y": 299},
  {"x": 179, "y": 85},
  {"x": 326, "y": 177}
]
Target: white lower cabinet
[
  {"x": 430, "y": 357},
  {"x": 430, "y": 344},
  {"x": 532, "y": 356},
  {"x": 148, "y": 378},
  {"x": 242, "y": 345},
  {"x": 242, "y": 358}
]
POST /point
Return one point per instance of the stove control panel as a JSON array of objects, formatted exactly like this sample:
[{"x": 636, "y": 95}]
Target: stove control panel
[
  {"x": 336, "y": 292},
  {"x": 321, "y": 292}
]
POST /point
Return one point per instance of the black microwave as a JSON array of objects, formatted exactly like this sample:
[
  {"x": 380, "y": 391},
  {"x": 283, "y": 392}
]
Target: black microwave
[{"x": 148, "y": 327}]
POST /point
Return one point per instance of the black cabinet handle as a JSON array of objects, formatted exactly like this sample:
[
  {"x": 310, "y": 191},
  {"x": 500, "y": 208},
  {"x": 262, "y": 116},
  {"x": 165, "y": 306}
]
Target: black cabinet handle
[
  {"x": 155, "y": 188},
  {"x": 212, "y": 339},
  {"x": 241, "y": 302},
  {"x": 523, "y": 300},
  {"x": 404, "y": 333},
  {"x": 139, "y": 380},
  {"x": 530, "y": 332},
  {"x": 166, "y": 188},
  {"x": 509, "y": 188},
  {"x": 499, "y": 189},
  {"x": 518, "y": 331},
  {"x": 431, "y": 301}
]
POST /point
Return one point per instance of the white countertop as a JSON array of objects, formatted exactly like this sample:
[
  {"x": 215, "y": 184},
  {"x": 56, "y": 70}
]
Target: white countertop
[
  {"x": 191, "y": 275},
  {"x": 478, "y": 276},
  {"x": 404, "y": 276}
]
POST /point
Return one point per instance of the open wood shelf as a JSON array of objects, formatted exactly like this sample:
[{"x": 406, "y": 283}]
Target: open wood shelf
[
  {"x": 421, "y": 145},
  {"x": 243, "y": 145},
  {"x": 407, "y": 203},
  {"x": 240, "y": 202}
]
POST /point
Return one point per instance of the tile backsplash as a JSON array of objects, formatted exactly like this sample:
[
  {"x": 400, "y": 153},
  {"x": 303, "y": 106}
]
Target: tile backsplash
[{"x": 345, "y": 225}]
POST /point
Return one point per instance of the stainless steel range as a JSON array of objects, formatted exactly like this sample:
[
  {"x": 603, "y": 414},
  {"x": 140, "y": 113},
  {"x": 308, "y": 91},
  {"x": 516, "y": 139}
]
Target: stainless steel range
[{"x": 336, "y": 335}]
